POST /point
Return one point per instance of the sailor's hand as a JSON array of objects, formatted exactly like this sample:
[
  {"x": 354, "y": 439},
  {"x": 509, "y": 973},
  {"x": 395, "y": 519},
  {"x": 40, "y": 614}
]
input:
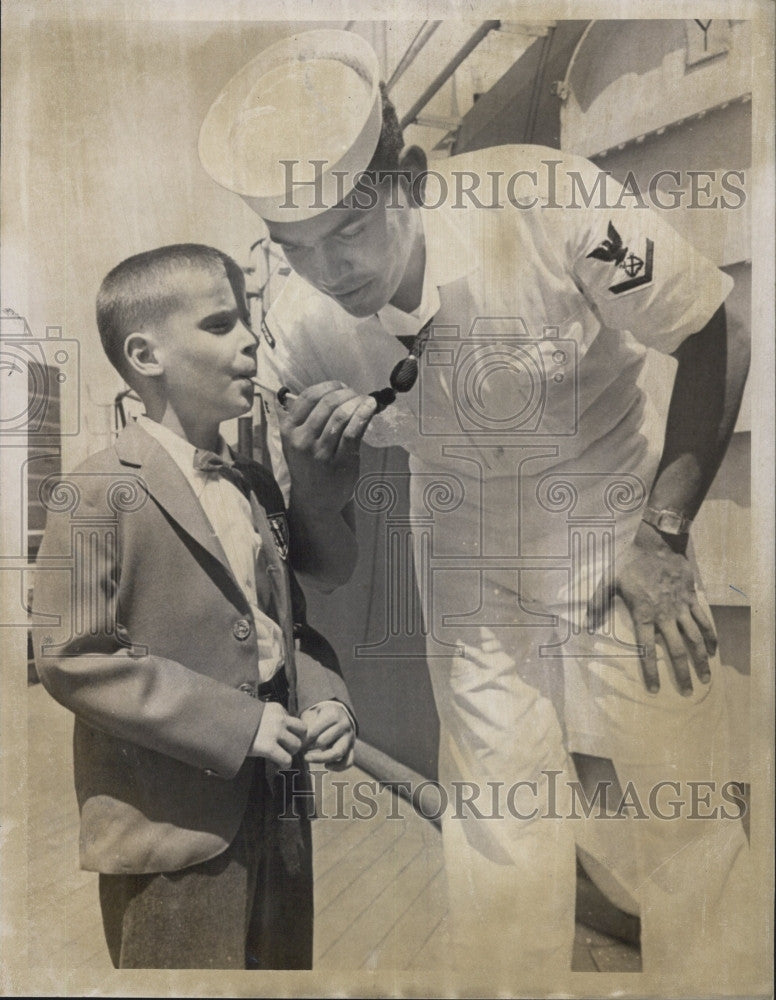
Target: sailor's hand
[
  {"x": 657, "y": 584},
  {"x": 321, "y": 430}
]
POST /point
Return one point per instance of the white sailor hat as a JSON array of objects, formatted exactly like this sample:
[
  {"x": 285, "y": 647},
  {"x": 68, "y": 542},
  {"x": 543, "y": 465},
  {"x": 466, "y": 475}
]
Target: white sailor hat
[{"x": 306, "y": 109}]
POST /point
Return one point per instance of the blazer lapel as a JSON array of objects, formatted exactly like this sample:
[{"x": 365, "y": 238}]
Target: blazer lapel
[{"x": 168, "y": 486}]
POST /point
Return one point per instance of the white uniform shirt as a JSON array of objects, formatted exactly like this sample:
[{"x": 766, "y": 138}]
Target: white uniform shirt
[
  {"x": 531, "y": 381},
  {"x": 229, "y": 513}
]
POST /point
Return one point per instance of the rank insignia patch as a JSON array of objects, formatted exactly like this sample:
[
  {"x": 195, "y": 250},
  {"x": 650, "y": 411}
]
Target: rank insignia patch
[
  {"x": 638, "y": 269},
  {"x": 279, "y": 526}
]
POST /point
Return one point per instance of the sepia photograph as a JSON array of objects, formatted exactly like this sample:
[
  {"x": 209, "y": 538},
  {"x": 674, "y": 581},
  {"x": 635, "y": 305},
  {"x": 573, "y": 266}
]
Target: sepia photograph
[{"x": 387, "y": 464}]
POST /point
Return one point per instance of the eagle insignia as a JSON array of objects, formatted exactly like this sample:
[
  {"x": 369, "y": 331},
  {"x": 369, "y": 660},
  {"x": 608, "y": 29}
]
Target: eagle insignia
[{"x": 613, "y": 251}]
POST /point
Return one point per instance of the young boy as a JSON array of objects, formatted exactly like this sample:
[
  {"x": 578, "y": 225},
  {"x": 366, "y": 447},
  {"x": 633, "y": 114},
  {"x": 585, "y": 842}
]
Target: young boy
[{"x": 181, "y": 645}]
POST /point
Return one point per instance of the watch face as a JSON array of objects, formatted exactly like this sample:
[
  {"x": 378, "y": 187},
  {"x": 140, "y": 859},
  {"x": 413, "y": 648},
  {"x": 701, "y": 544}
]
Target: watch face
[{"x": 669, "y": 522}]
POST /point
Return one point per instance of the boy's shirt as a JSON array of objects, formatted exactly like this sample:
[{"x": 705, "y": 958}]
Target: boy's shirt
[{"x": 229, "y": 513}]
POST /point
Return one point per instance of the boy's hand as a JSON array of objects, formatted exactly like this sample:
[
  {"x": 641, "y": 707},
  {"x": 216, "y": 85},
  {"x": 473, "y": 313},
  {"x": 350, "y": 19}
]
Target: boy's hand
[
  {"x": 330, "y": 735},
  {"x": 279, "y": 735}
]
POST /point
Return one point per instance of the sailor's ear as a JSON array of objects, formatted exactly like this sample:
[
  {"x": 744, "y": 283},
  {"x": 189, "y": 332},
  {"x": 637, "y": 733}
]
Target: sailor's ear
[{"x": 412, "y": 165}]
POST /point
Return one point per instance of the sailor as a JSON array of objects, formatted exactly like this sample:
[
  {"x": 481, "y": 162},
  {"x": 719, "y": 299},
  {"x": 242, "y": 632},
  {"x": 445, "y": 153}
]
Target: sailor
[{"x": 565, "y": 611}]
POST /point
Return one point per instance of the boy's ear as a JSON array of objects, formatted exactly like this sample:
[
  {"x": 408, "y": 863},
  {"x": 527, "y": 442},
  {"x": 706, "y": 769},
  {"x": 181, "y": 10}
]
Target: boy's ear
[
  {"x": 412, "y": 164},
  {"x": 141, "y": 352}
]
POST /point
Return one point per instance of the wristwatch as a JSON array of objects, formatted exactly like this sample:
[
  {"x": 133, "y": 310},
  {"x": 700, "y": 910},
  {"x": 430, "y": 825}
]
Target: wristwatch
[{"x": 667, "y": 521}]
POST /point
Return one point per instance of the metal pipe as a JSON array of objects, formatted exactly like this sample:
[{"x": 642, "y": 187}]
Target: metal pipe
[
  {"x": 485, "y": 28},
  {"x": 582, "y": 39},
  {"x": 538, "y": 83},
  {"x": 425, "y": 32},
  {"x": 401, "y": 780},
  {"x": 245, "y": 436}
]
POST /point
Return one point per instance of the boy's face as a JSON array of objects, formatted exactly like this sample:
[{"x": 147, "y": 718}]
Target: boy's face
[
  {"x": 208, "y": 353},
  {"x": 357, "y": 256}
]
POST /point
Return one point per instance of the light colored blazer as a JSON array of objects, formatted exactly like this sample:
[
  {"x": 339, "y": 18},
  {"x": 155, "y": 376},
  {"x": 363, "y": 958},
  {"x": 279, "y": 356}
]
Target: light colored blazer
[{"x": 153, "y": 647}]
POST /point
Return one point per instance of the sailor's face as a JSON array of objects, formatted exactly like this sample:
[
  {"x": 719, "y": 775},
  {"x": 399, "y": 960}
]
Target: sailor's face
[{"x": 356, "y": 255}]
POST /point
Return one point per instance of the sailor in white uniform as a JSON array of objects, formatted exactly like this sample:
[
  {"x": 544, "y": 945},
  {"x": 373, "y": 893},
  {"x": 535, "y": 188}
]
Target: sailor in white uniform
[{"x": 560, "y": 582}]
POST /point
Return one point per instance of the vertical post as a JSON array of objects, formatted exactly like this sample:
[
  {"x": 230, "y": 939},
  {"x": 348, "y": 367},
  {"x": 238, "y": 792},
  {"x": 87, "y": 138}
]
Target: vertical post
[{"x": 245, "y": 436}]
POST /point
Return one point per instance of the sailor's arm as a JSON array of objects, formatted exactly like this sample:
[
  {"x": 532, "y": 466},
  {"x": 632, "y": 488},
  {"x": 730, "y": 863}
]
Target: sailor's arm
[{"x": 655, "y": 578}]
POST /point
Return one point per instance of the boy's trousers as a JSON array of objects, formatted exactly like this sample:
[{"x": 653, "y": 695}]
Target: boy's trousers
[{"x": 250, "y": 907}]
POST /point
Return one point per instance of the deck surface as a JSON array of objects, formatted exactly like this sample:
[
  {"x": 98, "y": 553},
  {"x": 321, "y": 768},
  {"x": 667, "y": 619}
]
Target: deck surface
[{"x": 379, "y": 883}]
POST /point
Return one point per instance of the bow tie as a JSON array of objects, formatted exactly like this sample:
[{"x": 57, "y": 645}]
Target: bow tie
[{"x": 212, "y": 464}]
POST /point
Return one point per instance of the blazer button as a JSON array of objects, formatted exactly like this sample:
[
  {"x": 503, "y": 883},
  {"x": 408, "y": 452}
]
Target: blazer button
[{"x": 241, "y": 629}]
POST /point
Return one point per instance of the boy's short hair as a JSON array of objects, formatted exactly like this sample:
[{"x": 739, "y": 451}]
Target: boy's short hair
[{"x": 142, "y": 290}]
